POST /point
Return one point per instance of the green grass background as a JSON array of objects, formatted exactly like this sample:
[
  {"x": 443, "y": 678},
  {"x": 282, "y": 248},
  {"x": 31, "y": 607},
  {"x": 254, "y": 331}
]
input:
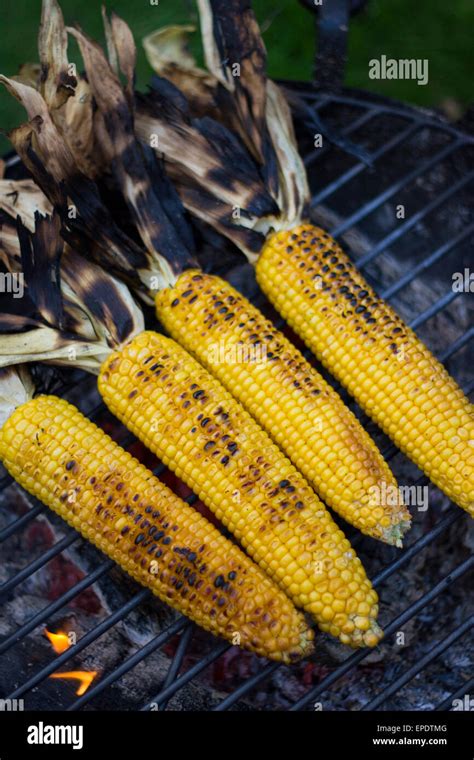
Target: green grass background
[{"x": 439, "y": 31}]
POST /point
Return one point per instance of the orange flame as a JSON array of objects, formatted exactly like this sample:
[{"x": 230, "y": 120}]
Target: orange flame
[
  {"x": 85, "y": 677},
  {"x": 59, "y": 641}
]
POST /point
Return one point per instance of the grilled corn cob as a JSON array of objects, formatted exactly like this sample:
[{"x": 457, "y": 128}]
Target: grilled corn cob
[
  {"x": 370, "y": 350},
  {"x": 71, "y": 465},
  {"x": 203, "y": 434},
  {"x": 293, "y": 402},
  {"x": 185, "y": 416},
  {"x": 152, "y": 385},
  {"x": 302, "y": 270}
]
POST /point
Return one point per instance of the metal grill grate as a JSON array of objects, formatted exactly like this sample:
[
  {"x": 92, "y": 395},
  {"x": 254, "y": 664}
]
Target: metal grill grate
[{"x": 402, "y": 150}]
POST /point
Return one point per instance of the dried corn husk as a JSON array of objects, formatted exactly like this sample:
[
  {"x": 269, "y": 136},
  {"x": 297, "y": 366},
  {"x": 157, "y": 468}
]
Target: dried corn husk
[{"x": 82, "y": 315}]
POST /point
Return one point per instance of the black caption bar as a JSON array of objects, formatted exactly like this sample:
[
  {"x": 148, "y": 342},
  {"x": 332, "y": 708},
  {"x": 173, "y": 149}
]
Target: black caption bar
[{"x": 379, "y": 734}]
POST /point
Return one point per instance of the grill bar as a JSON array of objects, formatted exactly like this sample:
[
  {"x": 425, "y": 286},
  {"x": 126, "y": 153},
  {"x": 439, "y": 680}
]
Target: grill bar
[
  {"x": 319, "y": 153},
  {"x": 188, "y": 676},
  {"x": 129, "y": 663},
  {"x": 25, "y": 573},
  {"x": 424, "y": 265},
  {"x": 405, "y": 557},
  {"x": 353, "y": 660},
  {"x": 20, "y": 523},
  {"x": 246, "y": 687},
  {"x": 417, "y": 546},
  {"x": 50, "y": 609},
  {"x": 395, "y": 187},
  {"x": 457, "y": 345},
  {"x": 366, "y": 112},
  {"x": 463, "y": 690},
  {"x": 178, "y": 658},
  {"x": 392, "y": 627},
  {"x": 359, "y": 167},
  {"x": 410, "y": 673},
  {"x": 469, "y": 388},
  {"x": 406, "y": 112},
  {"x": 434, "y": 309},
  {"x": 415, "y": 219},
  {"x": 83, "y": 642}
]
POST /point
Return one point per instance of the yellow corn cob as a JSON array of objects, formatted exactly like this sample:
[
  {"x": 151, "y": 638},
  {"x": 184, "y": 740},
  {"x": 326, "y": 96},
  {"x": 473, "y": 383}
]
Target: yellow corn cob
[
  {"x": 71, "y": 465},
  {"x": 370, "y": 350},
  {"x": 201, "y": 432},
  {"x": 293, "y": 402}
]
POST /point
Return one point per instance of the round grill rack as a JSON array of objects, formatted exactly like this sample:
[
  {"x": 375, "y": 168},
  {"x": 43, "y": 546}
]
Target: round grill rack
[{"x": 404, "y": 158}]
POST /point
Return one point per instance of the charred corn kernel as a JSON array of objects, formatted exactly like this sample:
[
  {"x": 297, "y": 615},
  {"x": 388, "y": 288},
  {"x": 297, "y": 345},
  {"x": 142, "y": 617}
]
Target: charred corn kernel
[
  {"x": 287, "y": 396},
  {"x": 58, "y": 455},
  {"x": 157, "y": 389},
  {"x": 370, "y": 350}
]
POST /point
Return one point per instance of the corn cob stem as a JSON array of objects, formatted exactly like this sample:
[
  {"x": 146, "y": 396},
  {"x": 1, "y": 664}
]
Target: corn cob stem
[
  {"x": 114, "y": 501},
  {"x": 370, "y": 350},
  {"x": 201, "y": 432},
  {"x": 287, "y": 396}
]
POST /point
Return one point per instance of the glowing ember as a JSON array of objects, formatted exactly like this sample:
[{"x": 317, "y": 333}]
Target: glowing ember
[
  {"x": 85, "y": 677},
  {"x": 59, "y": 641}
]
